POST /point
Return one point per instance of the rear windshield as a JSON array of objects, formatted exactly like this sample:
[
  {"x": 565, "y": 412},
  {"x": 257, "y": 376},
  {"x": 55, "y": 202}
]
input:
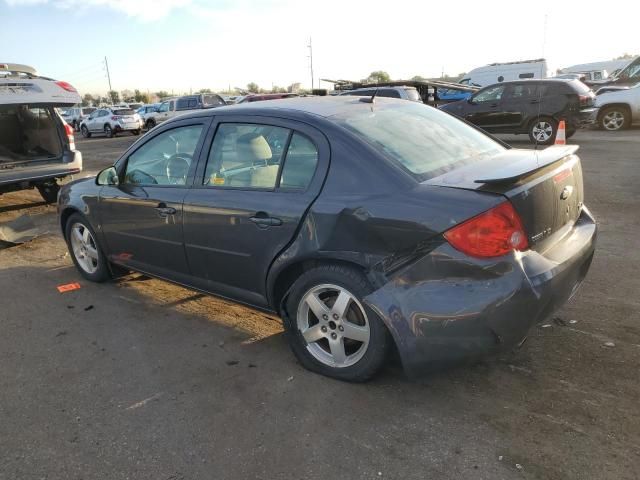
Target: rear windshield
[
  {"x": 580, "y": 87},
  {"x": 422, "y": 140},
  {"x": 212, "y": 100},
  {"x": 88, "y": 110},
  {"x": 413, "y": 94},
  {"x": 125, "y": 111}
]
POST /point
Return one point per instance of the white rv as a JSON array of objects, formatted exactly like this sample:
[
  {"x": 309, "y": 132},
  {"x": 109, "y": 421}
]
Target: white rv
[{"x": 506, "y": 72}]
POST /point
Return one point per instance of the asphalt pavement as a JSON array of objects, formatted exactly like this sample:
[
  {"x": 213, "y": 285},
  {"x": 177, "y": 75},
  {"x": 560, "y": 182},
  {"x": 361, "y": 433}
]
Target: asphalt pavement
[{"x": 141, "y": 379}]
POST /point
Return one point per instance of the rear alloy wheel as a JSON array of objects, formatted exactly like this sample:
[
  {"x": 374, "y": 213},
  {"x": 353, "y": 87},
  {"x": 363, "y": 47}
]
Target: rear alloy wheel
[
  {"x": 49, "y": 191},
  {"x": 614, "y": 119},
  {"x": 150, "y": 124},
  {"x": 85, "y": 251},
  {"x": 108, "y": 131},
  {"x": 542, "y": 131},
  {"x": 330, "y": 330},
  {"x": 85, "y": 131}
]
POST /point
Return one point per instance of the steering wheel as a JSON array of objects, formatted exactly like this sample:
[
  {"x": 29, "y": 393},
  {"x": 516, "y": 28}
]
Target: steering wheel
[{"x": 178, "y": 168}]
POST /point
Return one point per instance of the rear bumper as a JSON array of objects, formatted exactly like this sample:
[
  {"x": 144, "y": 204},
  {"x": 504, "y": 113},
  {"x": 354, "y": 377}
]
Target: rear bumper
[
  {"x": 448, "y": 307},
  {"x": 27, "y": 175},
  {"x": 127, "y": 127},
  {"x": 585, "y": 118}
]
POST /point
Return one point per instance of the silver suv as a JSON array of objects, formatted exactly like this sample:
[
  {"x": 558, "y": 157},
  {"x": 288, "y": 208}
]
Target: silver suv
[
  {"x": 75, "y": 116},
  {"x": 111, "y": 121}
]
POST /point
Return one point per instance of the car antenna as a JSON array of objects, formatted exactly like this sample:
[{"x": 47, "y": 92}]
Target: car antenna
[{"x": 372, "y": 99}]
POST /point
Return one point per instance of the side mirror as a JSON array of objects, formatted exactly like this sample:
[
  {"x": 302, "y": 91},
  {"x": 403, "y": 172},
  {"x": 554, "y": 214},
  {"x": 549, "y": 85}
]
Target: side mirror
[
  {"x": 470, "y": 100},
  {"x": 108, "y": 176}
]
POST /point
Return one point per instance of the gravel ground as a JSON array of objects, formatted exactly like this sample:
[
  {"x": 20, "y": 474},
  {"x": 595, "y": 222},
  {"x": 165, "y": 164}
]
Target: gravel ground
[{"x": 140, "y": 379}]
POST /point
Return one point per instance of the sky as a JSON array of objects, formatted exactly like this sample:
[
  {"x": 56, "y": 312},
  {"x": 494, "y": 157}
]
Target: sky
[{"x": 183, "y": 45}]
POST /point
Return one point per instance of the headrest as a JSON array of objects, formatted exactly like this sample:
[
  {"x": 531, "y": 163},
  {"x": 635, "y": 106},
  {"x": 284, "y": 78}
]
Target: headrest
[{"x": 253, "y": 147}]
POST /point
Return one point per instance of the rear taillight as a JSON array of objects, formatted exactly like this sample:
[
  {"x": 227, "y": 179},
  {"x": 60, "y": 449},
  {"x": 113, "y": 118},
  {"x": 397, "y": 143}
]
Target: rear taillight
[
  {"x": 115, "y": 118},
  {"x": 66, "y": 86},
  {"x": 586, "y": 100},
  {"x": 491, "y": 234},
  {"x": 69, "y": 131}
]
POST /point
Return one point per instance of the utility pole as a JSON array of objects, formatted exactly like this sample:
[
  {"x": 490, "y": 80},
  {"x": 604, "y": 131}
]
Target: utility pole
[
  {"x": 106, "y": 64},
  {"x": 311, "y": 60}
]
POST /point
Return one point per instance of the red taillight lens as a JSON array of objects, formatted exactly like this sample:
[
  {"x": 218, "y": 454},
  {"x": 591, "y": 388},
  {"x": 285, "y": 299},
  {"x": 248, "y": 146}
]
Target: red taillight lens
[
  {"x": 66, "y": 86},
  {"x": 490, "y": 234},
  {"x": 69, "y": 131},
  {"x": 115, "y": 117}
]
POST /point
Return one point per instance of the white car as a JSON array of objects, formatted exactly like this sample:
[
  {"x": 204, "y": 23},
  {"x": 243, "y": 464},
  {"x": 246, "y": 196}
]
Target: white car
[
  {"x": 111, "y": 121},
  {"x": 37, "y": 147},
  {"x": 619, "y": 109}
]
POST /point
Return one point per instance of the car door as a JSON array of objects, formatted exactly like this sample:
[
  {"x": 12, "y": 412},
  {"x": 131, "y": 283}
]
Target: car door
[
  {"x": 141, "y": 217},
  {"x": 251, "y": 191},
  {"x": 485, "y": 108},
  {"x": 98, "y": 120},
  {"x": 518, "y": 103}
]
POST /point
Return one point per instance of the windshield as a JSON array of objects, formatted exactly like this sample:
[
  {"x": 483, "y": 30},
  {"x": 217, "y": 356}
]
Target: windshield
[{"x": 419, "y": 138}]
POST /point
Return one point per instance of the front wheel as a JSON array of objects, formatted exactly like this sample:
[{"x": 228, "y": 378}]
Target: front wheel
[
  {"x": 150, "y": 124},
  {"x": 542, "y": 131},
  {"x": 614, "y": 119},
  {"x": 84, "y": 249},
  {"x": 135, "y": 132},
  {"x": 329, "y": 328},
  {"x": 108, "y": 131},
  {"x": 85, "y": 131}
]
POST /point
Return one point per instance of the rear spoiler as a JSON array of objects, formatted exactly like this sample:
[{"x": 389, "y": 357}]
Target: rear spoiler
[{"x": 519, "y": 168}]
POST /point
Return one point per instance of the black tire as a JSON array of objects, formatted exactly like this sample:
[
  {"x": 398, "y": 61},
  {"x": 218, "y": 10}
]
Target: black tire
[
  {"x": 102, "y": 272},
  {"x": 570, "y": 133},
  {"x": 537, "y": 123},
  {"x": 49, "y": 191},
  {"x": 135, "y": 132},
  {"x": 615, "y": 118},
  {"x": 108, "y": 131},
  {"x": 75, "y": 125},
  {"x": 85, "y": 131},
  {"x": 150, "y": 123},
  {"x": 355, "y": 283}
]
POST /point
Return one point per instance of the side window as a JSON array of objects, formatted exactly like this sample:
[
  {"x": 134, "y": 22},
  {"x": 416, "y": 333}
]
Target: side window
[
  {"x": 165, "y": 159},
  {"x": 526, "y": 75},
  {"x": 182, "y": 104},
  {"x": 164, "y": 107},
  {"x": 193, "y": 103},
  {"x": 300, "y": 163},
  {"x": 171, "y": 106},
  {"x": 246, "y": 156},
  {"x": 523, "y": 92},
  {"x": 388, "y": 93},
  {"x": 490, "y": 94}
]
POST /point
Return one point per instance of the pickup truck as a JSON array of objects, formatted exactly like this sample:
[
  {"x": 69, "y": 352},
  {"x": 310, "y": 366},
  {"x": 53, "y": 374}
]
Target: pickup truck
[
  {"x": 37, "y": 146},
  {"x": 172, "y": 107}
]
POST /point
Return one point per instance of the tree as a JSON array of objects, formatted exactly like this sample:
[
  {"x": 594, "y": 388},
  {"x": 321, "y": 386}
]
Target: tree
[
  {"x": 162, "y": 94},
  {"x": 205, "y": 90},
  {"x": 379, "y": 76},
  {"x": 114, "y": 96},
  {"x": 418, "y": 78},
  {"x": 253, "y": 87},
  {"x": 626, "y": 56},
  {"x": 88, "y": 100}
]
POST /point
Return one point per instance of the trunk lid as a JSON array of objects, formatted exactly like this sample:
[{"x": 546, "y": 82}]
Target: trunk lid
[
  {"x": 544, "y": 186},
  {"x": 16, "y": 90}
]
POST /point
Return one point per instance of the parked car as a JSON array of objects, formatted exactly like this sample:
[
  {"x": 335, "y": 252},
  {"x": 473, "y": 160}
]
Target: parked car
[
  {"x": 37, "y": 147},
  {"x": 403, "y": 92},
  {"x": 255, "y": 97},
  {"x": 180, "y": 105},
  {"x": 74, "y": 116},
  {"x": 619, "y": 109},
  {"x": 625, "y": 77},
  {"x": 111, "y": 121},
  {"x": 363, "y": 225},
  {"x": 147, "y": 111},
  {"x": 529, "y": 106}
]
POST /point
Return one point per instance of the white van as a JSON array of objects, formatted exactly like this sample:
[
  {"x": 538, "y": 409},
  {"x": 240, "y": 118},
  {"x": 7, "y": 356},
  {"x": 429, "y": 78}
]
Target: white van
[
  {"x": 506, "y": 72},
  {"x": 37, "y": 146}
]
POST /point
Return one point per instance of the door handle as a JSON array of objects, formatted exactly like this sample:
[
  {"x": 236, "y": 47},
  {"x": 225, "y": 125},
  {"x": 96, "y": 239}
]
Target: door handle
[
  {"x": 164, "y": 211},
  {"x": 263, "y": 220}
]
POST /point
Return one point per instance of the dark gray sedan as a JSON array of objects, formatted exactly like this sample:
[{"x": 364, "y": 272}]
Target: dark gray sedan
[{"x": 364, "y": 225}]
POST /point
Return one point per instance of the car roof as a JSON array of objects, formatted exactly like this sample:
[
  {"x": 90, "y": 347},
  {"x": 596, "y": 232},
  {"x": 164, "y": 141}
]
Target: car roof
[{"x": 326, "y": 106}]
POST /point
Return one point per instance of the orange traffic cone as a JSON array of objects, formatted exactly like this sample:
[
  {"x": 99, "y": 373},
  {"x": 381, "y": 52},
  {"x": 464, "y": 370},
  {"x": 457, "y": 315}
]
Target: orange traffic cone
[{"x": 561, "y": 135}]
